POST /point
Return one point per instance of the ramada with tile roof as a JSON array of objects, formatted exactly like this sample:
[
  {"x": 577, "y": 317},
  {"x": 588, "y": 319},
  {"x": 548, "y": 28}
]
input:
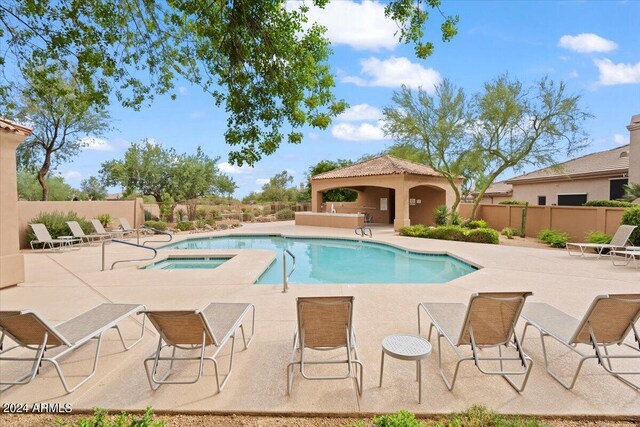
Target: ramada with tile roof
[{"x": 382, "y": 165}]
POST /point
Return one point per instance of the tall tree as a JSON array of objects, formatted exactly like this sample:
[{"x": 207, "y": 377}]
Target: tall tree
[
  {"x": 29, "y": 188},
  {"x": 193, "y": 176},
  {"x": 515, "y": 126},
  {"x": 259, "y": 59},
  {"x": 436, "y": 125},
  {"x": 61, "y": 113},
  {"x": 337, "y": 194},
  {"x": 225, "y": 185},
  {"x": 93, "y": 189}
]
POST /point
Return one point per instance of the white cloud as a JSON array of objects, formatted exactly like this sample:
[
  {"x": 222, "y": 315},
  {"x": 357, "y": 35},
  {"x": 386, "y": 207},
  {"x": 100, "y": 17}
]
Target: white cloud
[
  {"x": 617, "y": 74},
  {"x": 313, "y": 135},
  {"x": 361, "y": 132},
  {"x": 262, "y": 181},
  {"x": 182, "y": 90},
  {"x": 587, "y": 43},
  {"x": 72, "y": 175},
  {"x": 573, "y": 74},
  {"x": 394, "y": 72},
  {"x": 96, "y": 144},
  {"x": 360, "y": 112},
  {"x": 196, "y": 115},
  {"x": 620, "y": 139},
  {"x": 358, "y": 25},
  {"x": 227, "y": 167}
]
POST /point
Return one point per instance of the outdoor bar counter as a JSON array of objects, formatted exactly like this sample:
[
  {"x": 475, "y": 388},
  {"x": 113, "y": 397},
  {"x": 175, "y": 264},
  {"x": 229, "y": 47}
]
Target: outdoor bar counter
[{"x": 337, "y": 220}]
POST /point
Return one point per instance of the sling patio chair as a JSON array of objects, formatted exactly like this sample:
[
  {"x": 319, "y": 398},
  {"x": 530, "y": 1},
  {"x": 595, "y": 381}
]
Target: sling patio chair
[
  {"x": 608, "y": 320},
  {"x": 488, "y": 321},
  {"x": 325, "y": 323},
  {"x": 77, "y": 232},
  {"x": 619, "y": 240},
  {"x": 630, "y": 253},
  {"x": 97, "y": 225},
  {"x": 190, "y": 330},
  {"x": 30, "y": 331},
  {"x": 44, "y": 238},
  {"x": 126, "y": 227}
]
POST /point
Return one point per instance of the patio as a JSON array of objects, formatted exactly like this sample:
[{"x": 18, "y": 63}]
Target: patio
[{"x": 60, "y": 285}]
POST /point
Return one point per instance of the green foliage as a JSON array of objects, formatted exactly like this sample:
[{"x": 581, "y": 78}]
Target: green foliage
[
  {"x": 185, "y": 226},
  {"x": 447, "y": 232},
  {"x": 247, "y": 216},
  {"x": 452, "y": 232},
  {"x": 149, "y": 216},
  {"x": 200, "y": 223},
  {"x": 29, "y": 188},
  {"x": 279, "y": 188},
  {"x": 399, "y": 419},
  {"x": 285, "y": 215},
  {"x": 554, "y": 238},
  {"x": 631, "y": 192},
  {"x": 631, "y": 216},
  {"x": 158, "y": 225},
  {"x": 92, "y": 189},
  {"x": 418, "y": 230},
  {"x": 476, "y": 223},
  {"x": 512, "y": 202},
  {"x": 105, "y": 219},
  {"x": 180, "y": 214},
  {"x": 483, "y": 235},
  {"x": 336, "y": 195},
  {"x": 56, "y": 223},
  {"x": 193, "y": 176},
  {"x": 101, "y": 418},
  {"x": 509, "y": 232},
  {"x": 201, "y": 213},
  {"x": 608, "y": 203},
  {"x": 598, "y": 237},
  {"x": 440, "y": 215}
]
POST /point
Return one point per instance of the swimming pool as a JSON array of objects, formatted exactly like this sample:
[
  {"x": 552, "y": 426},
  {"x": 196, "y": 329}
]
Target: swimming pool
[
  {"x": 187, "y": 263},
  {"x": 339, "y": 261}
]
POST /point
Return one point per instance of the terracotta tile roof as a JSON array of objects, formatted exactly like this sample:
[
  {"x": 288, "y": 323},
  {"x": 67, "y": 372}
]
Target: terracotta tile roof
[
  {"x": 498, "y": 188},
  {"x": 14, "y": 127},
  {"x": 600, "y": 163},
  {"x": 383, "y": 165}
]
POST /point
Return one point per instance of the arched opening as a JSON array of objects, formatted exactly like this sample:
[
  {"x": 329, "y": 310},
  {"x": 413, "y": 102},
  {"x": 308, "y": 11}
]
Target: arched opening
[
  {"x": 378, "y": 202},
  {"x": 423, "y": 199}
]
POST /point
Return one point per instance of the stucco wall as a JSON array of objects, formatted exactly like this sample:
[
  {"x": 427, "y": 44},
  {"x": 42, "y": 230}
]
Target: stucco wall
[
  {"x": 595, "y": 188},
  {"x": 430, "y": 198},
  {"x": 132, "y": 210},
  {"x": 368, "y": 201}
]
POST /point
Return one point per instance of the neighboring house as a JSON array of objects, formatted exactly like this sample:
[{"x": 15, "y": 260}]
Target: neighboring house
[{"x": 497, "y": 192}]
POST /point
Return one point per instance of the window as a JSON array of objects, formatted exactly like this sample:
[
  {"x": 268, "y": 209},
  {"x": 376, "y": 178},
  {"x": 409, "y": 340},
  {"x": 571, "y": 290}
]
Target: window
[
  {"x": 572, "y": 199},
  {"x": 616, "y": 188},
  {"x": 542, "y": 200}
]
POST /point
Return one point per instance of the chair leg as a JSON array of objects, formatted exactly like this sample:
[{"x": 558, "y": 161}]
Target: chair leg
[{"x": 58, "y": 368}]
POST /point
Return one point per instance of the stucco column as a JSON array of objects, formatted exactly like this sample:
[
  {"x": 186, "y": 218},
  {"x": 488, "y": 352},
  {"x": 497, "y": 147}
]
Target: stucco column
[
  {"x": 11, "y": 260},
  {"x": 402, "y": 218},
  {"x": 316, "y": 200},
  {"x": 634, "y": 149}
]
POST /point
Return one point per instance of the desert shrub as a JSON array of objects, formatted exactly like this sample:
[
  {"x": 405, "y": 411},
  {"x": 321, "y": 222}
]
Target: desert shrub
[
  {"x": 399, "y": 419},
  {"x": 223, "y": 226},
  {"x": 149, "y": 216},
  {"x": 285, "y": 214},
  {"x": 201, "y": 213},
  {"x": 158, "y": 225},
  {"x": 447, "y": 232},
  {"x": 105, "y": 219},
  {"x": 631, "y": 216},
  {"x": 483, "y": 235},
  {"x": 554, "y": 238},
  {"x": 440, "y": 215},
  {"x": 101, "y": 418},
  {"x": 212, "y": 222},
  {"x": 180, "y": 215},
  {"x": 185, "y": 225},
  {"x": 200, "y": 223},
  {"x": 509, "y": 232},
  {"x": 476, "y": 223},
  {"x": 418, "y": 230},
  {"x": 247, "y": 216},
  {"x": 512, "y": 202},
  {"x": 56, "y": 223},
  {"x": 236, "y": 225},
  {"x": 598, "y": 237},
  {"x": 609, "y": 203},
  {"x": 215, "y": 214}
]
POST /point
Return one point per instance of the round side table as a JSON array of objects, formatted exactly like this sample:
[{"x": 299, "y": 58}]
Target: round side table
[{"x": 406, "y": 347}]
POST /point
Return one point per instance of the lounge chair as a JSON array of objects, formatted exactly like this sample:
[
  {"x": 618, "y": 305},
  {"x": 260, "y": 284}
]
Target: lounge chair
[
  {"x": 190, "y": 330},
  {"x": 325, "y": 323},
  {"x": 31, "y": 332},
  {"x": 97, "y": 225},
  {"x": 608, "y": 320},
  {"x": 488, "y": 321},
  {"x": 629, "y": 253},
  {"x": 126, "y": 227},
  {"x": 77, "y": 232},
  {"x": 44, "y": 238},
  {"x": 619, "y": 240}
]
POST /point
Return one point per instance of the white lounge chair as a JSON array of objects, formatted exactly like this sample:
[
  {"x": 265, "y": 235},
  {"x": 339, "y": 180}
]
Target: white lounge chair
[
  {"x": 619, "y": 240},
  {"x": 30, "y": 331},
  {"x": 190, "y": 330},
  {"x": 628, "y": 254},
  {"x": 78, "y": 232},
  {"x": 488, "y": 321},
  {"x": 97, "y": 225},
  {"x": 325, "y": 323},
  {"x": 608, "y": 321},
  {"x": 126, "y": 227},
  {"x": 44, "y": 238}
]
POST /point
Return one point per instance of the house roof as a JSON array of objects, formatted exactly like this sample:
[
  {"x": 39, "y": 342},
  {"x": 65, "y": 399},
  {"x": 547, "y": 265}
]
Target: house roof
[
  {"x": 499, "y": 188},
  {"x": 13, "y": 127},
  {"x": 601, "y": 163},
  {"x": 383, "y": 165}
]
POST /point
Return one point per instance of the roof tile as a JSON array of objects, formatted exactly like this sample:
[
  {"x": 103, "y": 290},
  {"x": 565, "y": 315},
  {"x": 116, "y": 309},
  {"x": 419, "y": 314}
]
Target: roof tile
[{"x": 383, "y": 165}]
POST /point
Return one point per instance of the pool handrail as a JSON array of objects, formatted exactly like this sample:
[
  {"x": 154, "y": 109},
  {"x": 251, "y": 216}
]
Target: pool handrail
[
  {"x": 155, "y": 252},
  {"x": 155, "y": 231},
  {"x": 285, "y": 276}
]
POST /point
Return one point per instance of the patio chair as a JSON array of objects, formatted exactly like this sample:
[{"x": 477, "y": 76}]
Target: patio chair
[
  {"x": 190, "y": 330},
  {"x": 44, "y": 238},
  {"x": 488, "y": 321},
  {"x": 325, "y": 323},
  {"x": 629, "y": 253},
  {"x": 77, "y": 232},
  {"x": 126, "y": 227},
  {"x": 97, "y": 225},
  {"x": 619, "y": 240},
  {"x": 608, "y": 320},
  {"x": 31, "y": 332}
]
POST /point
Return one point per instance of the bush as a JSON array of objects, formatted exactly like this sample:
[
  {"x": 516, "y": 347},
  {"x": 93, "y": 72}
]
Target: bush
[
  {"x": 158, "y": 225},
  {"x": 212, "y": 222},
  {"x": 598, "y": 237},
  {"x": 447, "y": 232},
  {"x": 399, "y": 419},
  {"x": 101, "y": 418},
  {"x": 440, "y": 215},
  {"x": 105, "y": 219},
  {"x": 631, "y": 216},
  {"x": 483, "y": 235},
  {"x": 200, "y": 223},
  {"x": 201, "y": 213},
  {"x": 512, "y": 202},
  {"x": 609, "y": 203},
  {"x": 554, "y": 238},
  {"x": 509, "y": 232},
  {"x": 149, "y": 216},
  {"x": 185, "y": 226},
  {"x": 56, "y": 223},
  {"x": 247, "y": 217},
  {"x": 419, "y": 230},
  {"x": 285, "y": 214},
  {"x": 476, "y": 223}
]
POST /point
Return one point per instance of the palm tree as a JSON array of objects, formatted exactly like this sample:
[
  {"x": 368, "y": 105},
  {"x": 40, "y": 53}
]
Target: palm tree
[{"x": 632, "y": 192}]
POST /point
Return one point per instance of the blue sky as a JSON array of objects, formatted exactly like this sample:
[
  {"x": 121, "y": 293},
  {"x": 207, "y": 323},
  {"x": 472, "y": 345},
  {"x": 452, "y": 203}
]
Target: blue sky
[{"x": 593, "y": 46}]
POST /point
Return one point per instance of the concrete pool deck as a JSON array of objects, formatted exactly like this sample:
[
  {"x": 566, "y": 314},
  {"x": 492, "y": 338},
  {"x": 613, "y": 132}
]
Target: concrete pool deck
[{"x": 60, "y": 285}]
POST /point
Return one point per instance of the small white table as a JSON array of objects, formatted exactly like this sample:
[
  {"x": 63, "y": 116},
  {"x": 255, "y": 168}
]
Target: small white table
[
  {"x": 69, "y": 240},
  {"x": 406, "y": 347}
]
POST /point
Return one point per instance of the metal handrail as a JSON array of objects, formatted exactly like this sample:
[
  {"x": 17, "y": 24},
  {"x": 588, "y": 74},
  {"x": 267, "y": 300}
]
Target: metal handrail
[
  {"x": 285, "y": 276},
  {"x": 155, "y": 252},
  {"x": 155, "y": 231}
]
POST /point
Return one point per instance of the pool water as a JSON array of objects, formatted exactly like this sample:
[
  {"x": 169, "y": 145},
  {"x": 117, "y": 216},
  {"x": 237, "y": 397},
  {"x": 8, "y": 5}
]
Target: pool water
[
  {"x": 340, "y": 261},
  {"x": 186, "y": 263}
]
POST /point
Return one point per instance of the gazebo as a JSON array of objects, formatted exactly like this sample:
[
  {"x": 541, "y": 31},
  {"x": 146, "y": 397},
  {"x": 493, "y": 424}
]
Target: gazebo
[{"x": 391, "y": 190}]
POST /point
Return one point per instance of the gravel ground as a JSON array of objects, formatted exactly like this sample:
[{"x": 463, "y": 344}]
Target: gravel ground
[{"x": 33, "y": 420}]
